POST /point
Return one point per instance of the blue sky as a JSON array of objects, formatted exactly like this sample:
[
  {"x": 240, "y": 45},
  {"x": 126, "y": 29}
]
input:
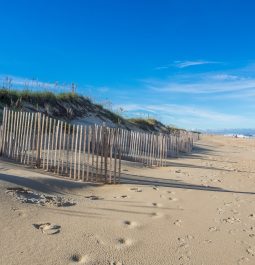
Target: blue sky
[{"x": 187, "y": 63}]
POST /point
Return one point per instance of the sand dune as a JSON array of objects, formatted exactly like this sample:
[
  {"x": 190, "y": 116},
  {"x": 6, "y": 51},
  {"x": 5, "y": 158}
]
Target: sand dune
[{"x": 198, "y": 210}]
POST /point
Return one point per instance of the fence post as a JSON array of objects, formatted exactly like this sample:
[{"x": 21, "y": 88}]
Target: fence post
[{"x": 38, "y": 147}]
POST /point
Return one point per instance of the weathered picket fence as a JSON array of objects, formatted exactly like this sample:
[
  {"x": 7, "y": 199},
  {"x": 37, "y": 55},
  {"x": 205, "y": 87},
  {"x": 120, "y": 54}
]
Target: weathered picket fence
[
  {"x": 154, "y": 149},
  {"x": 87, "y": 153}
]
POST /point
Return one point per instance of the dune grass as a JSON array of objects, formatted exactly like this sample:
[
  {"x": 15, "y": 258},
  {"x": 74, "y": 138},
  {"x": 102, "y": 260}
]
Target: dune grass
[
  {"x": 62, "y": 104},
  {"x": 35, "y": 97}
]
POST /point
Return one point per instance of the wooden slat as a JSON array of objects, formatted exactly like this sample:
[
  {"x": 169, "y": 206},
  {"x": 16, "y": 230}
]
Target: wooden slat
[
  {"x": 46, "y": 134},
  {"x": 84, "y": 152},
  {"x": 6, "y": 146},
  {"x": 79, "y": 158},
  {"x": 68, "y": 139},
  {"x": 3, "y": 131},
  {"x": 72, "y": 151},
  {"x": 29, "y": 147},
  {"x": 34, "y": 128},
  {"x": 88, "y": 156},
  {"x": 97, "y": 133},
  {"x": 56, "y": 146},
  {"x": 64, "y": 148},
  {"x": 49, "y": 142},
  {"x": 110, "y": 158},
  {"x": 93, "y": 153},
  {"x": 42, "y": 136},
  {"x": 10, "y": 135},
  {"x": 24, "y": 137},
  {"x": 60, "y": 147},
  {"x": 38, "y": 143},
  {"x": 27, "y": 135},
  {"x": 75, "y": 151},
  {"x": 53, "y": 140}
]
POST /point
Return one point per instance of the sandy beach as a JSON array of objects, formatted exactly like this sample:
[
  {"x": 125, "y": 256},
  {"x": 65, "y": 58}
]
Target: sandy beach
[{"x": 198, "y": 210}]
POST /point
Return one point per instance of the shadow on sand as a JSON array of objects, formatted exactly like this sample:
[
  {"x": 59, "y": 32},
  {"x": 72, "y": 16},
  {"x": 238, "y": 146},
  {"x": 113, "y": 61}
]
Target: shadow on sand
[
  {"x": 47, "y": 184},
  {"x": 170, "y": 183}
]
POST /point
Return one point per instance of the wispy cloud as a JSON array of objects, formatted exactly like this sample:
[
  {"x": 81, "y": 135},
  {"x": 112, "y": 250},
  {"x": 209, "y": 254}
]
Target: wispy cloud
[
  {"x": 184, "y": 64},
  {"x": 205, "y": 84},
  {"x": 226, "y": 77},
  {"x": 183, "y": 110},
  {"x": 187, "y": 116},
  {"x": 162, "y": 67}
]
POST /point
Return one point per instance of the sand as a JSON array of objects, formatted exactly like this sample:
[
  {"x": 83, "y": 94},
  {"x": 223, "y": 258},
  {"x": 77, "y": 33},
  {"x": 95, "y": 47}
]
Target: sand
[{"x": 198, "y": 210}]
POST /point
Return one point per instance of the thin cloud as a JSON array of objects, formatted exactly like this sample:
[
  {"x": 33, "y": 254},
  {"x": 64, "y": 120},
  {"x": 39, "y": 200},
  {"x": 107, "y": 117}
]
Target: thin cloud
[
  {"x": 184, "y": 64},
  {"x": 187, "y": 116},
  {"x": 183, "y": 110},
  {"x": 162, "y": 67},
  {"x": 210, "y": 84},
  {"x": 225, "y": 77}
]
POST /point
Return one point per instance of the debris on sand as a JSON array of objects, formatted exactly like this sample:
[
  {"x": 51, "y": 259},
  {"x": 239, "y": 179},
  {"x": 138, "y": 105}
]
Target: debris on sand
[
  {"x": 29, "y": 196},
  {"x": 48, "y": 228}
]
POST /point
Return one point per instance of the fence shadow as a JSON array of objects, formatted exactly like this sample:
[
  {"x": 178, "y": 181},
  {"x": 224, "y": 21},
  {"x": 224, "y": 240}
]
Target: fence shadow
[
  {"x": 47, "y": 184},
  {"x": 171, "y": 183}
]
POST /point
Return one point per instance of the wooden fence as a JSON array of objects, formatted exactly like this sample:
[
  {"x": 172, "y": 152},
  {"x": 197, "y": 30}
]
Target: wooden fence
[
  {"x": 87, "y": 153},
  {"x": 153, "y": 149}
]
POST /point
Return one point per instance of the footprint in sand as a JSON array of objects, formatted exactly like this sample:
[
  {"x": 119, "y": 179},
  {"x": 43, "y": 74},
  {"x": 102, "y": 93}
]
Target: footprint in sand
[
  {"x": 178, "y": 222},
  {"x": 93, "y": 237},
  {"x": 136, "y": 189},
  {"x": 77, "y": 258},
  {"x": 252, "y": 216},
  {"x": 231, "y": 220},
  {"x": 184, "y": 258},
  {"x": 116, "y": 263},
  {"x": 220, "y": 210},
  {"x": 172, "y": 199},
  {"x": 121, "y": 197},
  {"x": 213, "y": 229},
  {"x": 208, "y": 241},
  {"x": 156, "y": 215},
  {"x": 94, "y": 197},
  {"x": 122, "y": 242},
  {"x": 21, "y": 213},
  {"x": 170, "y": 192},
  {"x": 156, "y": 204},
  {"x": 228, "y": 204},
  {"x": 251, "y": 251},
  {"x": 242, "y": 260},
  {"x": 130, "y": 224},
  {"x": 185, "y": 238},
  {"x": 48, "y": 228}
]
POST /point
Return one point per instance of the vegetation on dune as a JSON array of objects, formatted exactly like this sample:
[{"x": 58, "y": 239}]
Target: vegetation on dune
[
  {"x": 63, "y": 105},
  {"x": 10, "y": 97},
  {"x": 145, "y": 124},
  {"x": 153, "y": 124},
  {"x": 69, "y": 106}
]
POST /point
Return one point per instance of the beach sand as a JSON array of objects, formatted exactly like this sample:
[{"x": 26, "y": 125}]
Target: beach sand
[{"x": 198, "y": 210}]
